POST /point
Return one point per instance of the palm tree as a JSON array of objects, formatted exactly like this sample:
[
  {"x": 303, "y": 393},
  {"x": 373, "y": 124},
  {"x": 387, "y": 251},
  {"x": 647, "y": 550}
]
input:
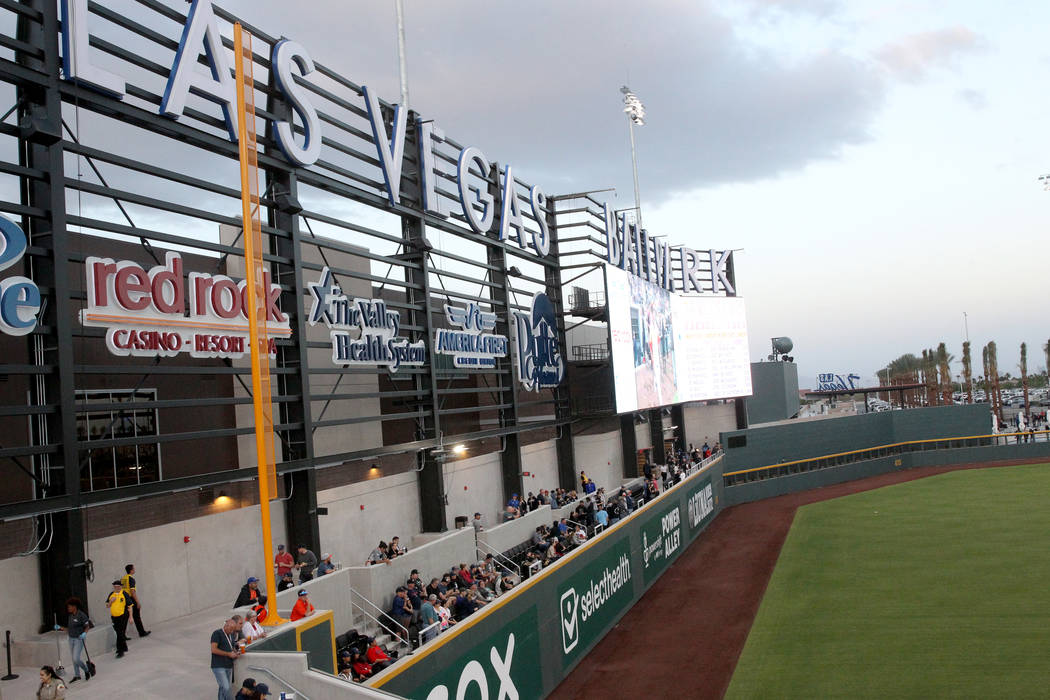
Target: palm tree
[
  {"x": 944, "y": 361},
  {"x": 993, "y": 368},
  {"x": 968, "y": 371},
  {"x": 1024, "y": 375}
]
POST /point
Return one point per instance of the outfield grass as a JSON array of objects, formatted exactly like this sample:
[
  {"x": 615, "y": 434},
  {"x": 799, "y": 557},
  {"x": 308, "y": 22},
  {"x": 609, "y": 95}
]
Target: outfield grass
[{"x": 933, "y": 588}]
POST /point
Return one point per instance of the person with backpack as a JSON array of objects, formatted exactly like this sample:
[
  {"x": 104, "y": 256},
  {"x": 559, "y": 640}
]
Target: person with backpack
[{"x": 117, "y": 602}]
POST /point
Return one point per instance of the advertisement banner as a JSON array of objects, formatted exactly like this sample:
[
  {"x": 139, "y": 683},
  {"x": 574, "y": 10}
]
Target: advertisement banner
[
  {"x": 700, "y": 506},
  {"x": 661, "y": 535}
]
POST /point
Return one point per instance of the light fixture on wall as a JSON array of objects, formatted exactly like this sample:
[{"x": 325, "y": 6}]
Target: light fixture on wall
[
  {"x": 459, "y": 449},
  {"x": 222, "y": 499}
]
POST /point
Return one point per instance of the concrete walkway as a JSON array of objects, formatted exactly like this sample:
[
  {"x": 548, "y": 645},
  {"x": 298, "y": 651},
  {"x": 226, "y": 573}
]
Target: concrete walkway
[{"x": 173, "y": 662}]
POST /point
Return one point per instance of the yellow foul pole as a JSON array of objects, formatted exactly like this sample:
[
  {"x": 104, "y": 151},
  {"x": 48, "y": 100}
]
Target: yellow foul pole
[{"x": 255, "y": 289}]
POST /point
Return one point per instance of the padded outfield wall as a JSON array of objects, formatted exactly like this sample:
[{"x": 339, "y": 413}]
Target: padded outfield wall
[{"x": 533, "y": 637}]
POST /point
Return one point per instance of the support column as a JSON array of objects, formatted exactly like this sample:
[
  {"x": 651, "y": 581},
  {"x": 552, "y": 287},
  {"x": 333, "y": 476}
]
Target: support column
[
  {"x": 62, "y": 565},
  {"x": 656, "y": 435},
  {"x": 741, "y": 413},
  {"x": 629, "y": 445},
  {"x": 432, "y": 497},
  {"x": 678, "y": 418},
  {"x": 564, "y": 443},
  {"x": 301, "y": 506}
]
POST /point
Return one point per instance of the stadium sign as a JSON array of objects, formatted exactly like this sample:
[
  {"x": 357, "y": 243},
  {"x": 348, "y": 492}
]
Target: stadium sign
[
  {"x": 661, "y": 541},
  {"x": 631, "y": 249},
  {"x": 201, "y": 35},
  {"x": 595, "y": 596},
  {"x": 540, "y": 363},
  {"x": 145, "y": 314},
  {"x": 378, "y": 342},
  {"x": 701, "y": 507},
  {"x": 834, "y": 382},
  {"x": 471, "y": 346},
  {"x": 19, "y": 296}
]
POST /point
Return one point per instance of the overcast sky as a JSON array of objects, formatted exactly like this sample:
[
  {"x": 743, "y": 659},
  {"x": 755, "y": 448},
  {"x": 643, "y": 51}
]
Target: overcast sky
[{"x": 877, "y": 161}]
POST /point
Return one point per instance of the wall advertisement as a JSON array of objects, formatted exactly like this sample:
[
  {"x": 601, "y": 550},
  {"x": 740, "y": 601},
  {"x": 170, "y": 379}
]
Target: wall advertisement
[
  {"x": 524, "y": 644},
  {"x": 668, "y": 348}
]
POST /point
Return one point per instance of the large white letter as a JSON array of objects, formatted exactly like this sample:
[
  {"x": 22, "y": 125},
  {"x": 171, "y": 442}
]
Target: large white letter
[
  {"x": 390, "y": 151},
  {"x": 220, "y": 88},
  {"x": 284, "y": 54},
  {"x": 432, "y": 202},
  {"x": 472, "y": 155},
  {"x": 612, "y": 237},
  {"x": 75, "y": 62},
  {"x": 541, "y": 240},
  {"x": 511, "y": 214}
]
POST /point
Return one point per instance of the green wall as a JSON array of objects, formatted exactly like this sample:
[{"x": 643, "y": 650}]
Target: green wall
[
  {"x": 813, "y": 438},
  {"x": 775, "y": 392},
  {"x": 531, "y": 639}
]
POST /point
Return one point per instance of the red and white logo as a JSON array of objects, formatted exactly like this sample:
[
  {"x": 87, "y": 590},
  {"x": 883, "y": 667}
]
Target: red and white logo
[{"x": 158, "y": 313}]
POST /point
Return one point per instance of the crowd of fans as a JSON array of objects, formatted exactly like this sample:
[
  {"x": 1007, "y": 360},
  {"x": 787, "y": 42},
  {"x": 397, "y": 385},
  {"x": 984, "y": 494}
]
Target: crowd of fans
[{"x": 517, "y": 507}]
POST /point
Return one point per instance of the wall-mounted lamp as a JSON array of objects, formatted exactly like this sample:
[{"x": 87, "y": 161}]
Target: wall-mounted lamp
[
  {"x": 513, "y": 271},
  {"x": 222, "y": 499},
  {"x": 459, "y": 449}
]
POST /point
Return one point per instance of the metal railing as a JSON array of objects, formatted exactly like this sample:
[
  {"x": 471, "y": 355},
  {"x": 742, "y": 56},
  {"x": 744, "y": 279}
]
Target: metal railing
[
  {"x": 298, "y": 693},
  {"x": 584, "y": 405},
  {"x": 590, "y": 352},
  {"x": 581, "y": 299},
  {"x": 798, "y": 466},
  {"x": 498, "y": 556},
  {"x": 383, "y": 614}
]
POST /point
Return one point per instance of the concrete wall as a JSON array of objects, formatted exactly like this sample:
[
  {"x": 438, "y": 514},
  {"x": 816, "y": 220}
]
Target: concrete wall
[
  {"x": 391, "y": 507},
  {"x": 474, "y": 485},
  {"x": 293, "y": 675},
  {"x": 601, "y": 457},
  {"x": 775, "y": 394},
  {"x": 20, "y": 608},
  {"x": 706, "y": 421},
  {"x": 541, "y": 461},
  {"x": 511, "y": 534},
  {"x": 174, "y": 577}
]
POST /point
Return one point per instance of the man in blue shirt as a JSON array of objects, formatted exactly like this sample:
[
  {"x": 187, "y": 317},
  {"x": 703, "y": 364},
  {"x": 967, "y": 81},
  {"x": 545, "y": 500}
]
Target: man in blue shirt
[{"x": 601, "y": 517}]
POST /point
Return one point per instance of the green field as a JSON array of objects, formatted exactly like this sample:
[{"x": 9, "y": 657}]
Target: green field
[{"x": 934, "y": 588}]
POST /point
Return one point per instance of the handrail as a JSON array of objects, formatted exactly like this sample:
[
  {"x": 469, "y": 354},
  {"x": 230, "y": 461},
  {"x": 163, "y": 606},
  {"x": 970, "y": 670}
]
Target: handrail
[
  {"x": 379, "y": 621},
  {"x": 422, "y": 632},
  {"x": 497, "y": 555},
  {"x": 892, "y": 446},
  {"x": 298, "y": 693}
]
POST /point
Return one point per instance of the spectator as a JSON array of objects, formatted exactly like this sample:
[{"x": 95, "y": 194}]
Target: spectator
[
  {"x": 514, "y": 502},
  {"x": 510, "y": 513},
  {"x": 346, "y": 673},
  {"x": 284, "y": 561},
  {"x": 326, "y": 566},
  {"x": 51, "y": 686},
  {"x": 429, "y": 617},
  {"x": 538, "y": 540},
  {"x": 250, "y": 594},
  {"x": 579, "y": 535},
  {"x": 222, "y": 655},
  {"x": 563, "y": 527},
  {"x": 532, "y": 502},
  {"x": 118, "y": 612},
  {"x": 306, "y": 564},
  {"x": 77, "y": 628},
  {"x": 434, "y": 588},
  {"x": 251, "y": 629},
  {"x": 379, "y": 555},
  {"x": 302, "y": 607},
  {"x": 396, "y": 550},
  {"x": 377, "y": 656},
  {"x": 464, "y": 605},
  {"x": 506, "y": 583},
  {"x": 402, "y": 608},
  {"x": 465, "y": 579},
  {"x": 247, "y": 690},
  {"x": 415, "y": 596},
  {"x": 359, "y": 665},
  {"x": 544, "y": 497},
  {"x": 414, "y": 578},
  {"x": 127, "y": 582},
  {"x": 445, "y": 615},
  {"x": 286, "y": 582},
  {"x": 601, "y": 517},
  {"x": 262, "y": 691},
  {"x": 476, "y": 522}
]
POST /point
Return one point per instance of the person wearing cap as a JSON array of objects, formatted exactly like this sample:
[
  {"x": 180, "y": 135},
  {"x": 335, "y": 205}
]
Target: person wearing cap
[
  {"x": 302, "y": 607},
  {"x": 261, "y": 691},
  {"x": 415, "y": 579},
  {"x": 476, "y": 522},
  {"x": 250, "y": 594},
  {"x": 402, "y": 609},
  {"x": 117, "y": 602},
  {"x": 246, "y": 690},
  {"x": 284, "y": 561},
  {"x": 286, "y": 582},
  {"x": 326, "y": 566}
]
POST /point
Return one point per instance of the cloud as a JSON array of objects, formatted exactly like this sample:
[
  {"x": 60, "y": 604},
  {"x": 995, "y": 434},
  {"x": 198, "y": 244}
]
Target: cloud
[
  {"x": 912, "y": 57},
  {"x": 974, "y": 98}
]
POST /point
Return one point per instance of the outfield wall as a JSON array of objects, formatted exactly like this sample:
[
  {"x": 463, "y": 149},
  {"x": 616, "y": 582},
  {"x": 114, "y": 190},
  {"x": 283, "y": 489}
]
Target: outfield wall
[{"x": 533, "y": 637}]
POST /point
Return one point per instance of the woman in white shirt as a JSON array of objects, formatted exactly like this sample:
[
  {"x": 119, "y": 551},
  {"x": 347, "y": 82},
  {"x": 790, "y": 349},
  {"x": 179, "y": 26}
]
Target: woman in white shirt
[{"x": 251, "y": 629}]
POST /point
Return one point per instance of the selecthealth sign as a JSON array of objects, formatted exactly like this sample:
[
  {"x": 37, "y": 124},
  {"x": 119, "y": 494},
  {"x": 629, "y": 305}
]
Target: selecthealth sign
[{"x": 593, "y": 598}]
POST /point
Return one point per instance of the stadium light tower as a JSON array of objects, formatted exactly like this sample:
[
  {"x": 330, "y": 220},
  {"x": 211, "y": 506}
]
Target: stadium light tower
[{"x": 635, "y": 111}]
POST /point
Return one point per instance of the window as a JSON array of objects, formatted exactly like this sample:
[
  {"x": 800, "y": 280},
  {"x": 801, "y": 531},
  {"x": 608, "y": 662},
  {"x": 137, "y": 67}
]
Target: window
[{"x": 100, "y": 416}]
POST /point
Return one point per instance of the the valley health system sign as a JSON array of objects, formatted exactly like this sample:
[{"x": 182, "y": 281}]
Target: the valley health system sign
[
  {"x": 540, "y": 364},
  {"x": 471, "y": 346},
  {"x": 378, "y": 343},
  {"x": 201, "y": 36}
]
